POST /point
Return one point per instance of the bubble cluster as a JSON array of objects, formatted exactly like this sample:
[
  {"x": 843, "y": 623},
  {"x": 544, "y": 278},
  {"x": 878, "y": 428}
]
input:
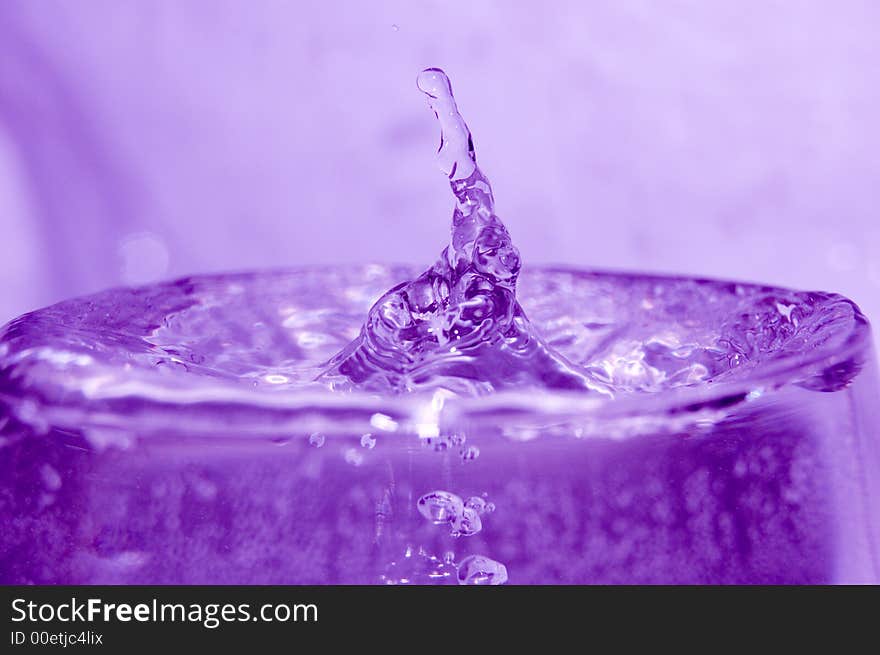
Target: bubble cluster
[
  {"x": 478, "y": 504},
  {"x": 446, "y": 508},
  {"x": 452, "y": 442},
  {"x": 440, "y": 507},
  {"x": 444, "y": 442},
  {"x": 470, "y": 453},
  {"x": 420, "y": 567},
  {"x": 468, "y": 524}
]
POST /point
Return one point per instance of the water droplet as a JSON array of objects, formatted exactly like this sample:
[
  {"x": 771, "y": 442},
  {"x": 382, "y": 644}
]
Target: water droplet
[
  {"x": 477, "y": 569},
  {"x": 440, "y": 507},
  {"x": 316, "y": 439},
  {"x": 367, "y": 441}
]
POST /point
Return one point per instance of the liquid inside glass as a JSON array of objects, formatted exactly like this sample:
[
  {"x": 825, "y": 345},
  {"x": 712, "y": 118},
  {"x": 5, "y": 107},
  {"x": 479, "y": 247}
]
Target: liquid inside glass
[{"x": 475, "y": 423}]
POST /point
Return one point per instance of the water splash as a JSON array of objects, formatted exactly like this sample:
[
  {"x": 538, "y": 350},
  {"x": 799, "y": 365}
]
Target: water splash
[{"x": 458, "y": 325}]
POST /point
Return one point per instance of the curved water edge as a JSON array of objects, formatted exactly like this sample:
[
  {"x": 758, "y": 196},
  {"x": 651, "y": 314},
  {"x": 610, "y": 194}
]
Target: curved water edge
[{"x": 250, "y": 345}]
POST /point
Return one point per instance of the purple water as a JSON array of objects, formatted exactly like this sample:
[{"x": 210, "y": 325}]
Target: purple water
[
  {"x": 254, "y": 428},
  {"x": 458, "y": 325}
]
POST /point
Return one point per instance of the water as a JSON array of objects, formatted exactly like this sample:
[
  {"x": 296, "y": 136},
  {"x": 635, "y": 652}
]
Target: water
[
  {"x": 458, "y": 325},
  {"x": 484, "y": 424},
  {"x": 476, "y": 569}
]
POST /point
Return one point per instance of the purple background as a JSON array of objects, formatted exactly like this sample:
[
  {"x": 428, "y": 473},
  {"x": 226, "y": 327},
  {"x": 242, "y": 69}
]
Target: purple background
[{"x": 145, "y": 140}]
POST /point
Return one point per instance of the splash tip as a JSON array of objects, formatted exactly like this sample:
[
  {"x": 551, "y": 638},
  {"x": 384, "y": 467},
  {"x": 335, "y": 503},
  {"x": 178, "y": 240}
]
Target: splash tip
[{"x": 434, "y": 82}]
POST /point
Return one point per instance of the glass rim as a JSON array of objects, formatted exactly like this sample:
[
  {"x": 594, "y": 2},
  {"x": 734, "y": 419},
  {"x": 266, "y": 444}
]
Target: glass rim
[{"x": 428, "y": 413}]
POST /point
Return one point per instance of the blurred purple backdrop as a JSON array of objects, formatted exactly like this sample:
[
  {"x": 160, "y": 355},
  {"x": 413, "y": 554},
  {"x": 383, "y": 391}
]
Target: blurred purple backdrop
[{"x": 146, "y": 140}]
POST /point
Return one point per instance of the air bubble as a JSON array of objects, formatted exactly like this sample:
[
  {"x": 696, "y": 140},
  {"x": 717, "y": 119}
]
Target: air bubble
[
  {"x": 353, "y": 457},
  {"x": 476, "y": 503},
  {"x": 441, "y": 507},
  {"x": 470, "y": 453},
  {"x": 481, "y": 570},
  {"x": 444, "y": 442},
  {"x": 468, "y": 524}
]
